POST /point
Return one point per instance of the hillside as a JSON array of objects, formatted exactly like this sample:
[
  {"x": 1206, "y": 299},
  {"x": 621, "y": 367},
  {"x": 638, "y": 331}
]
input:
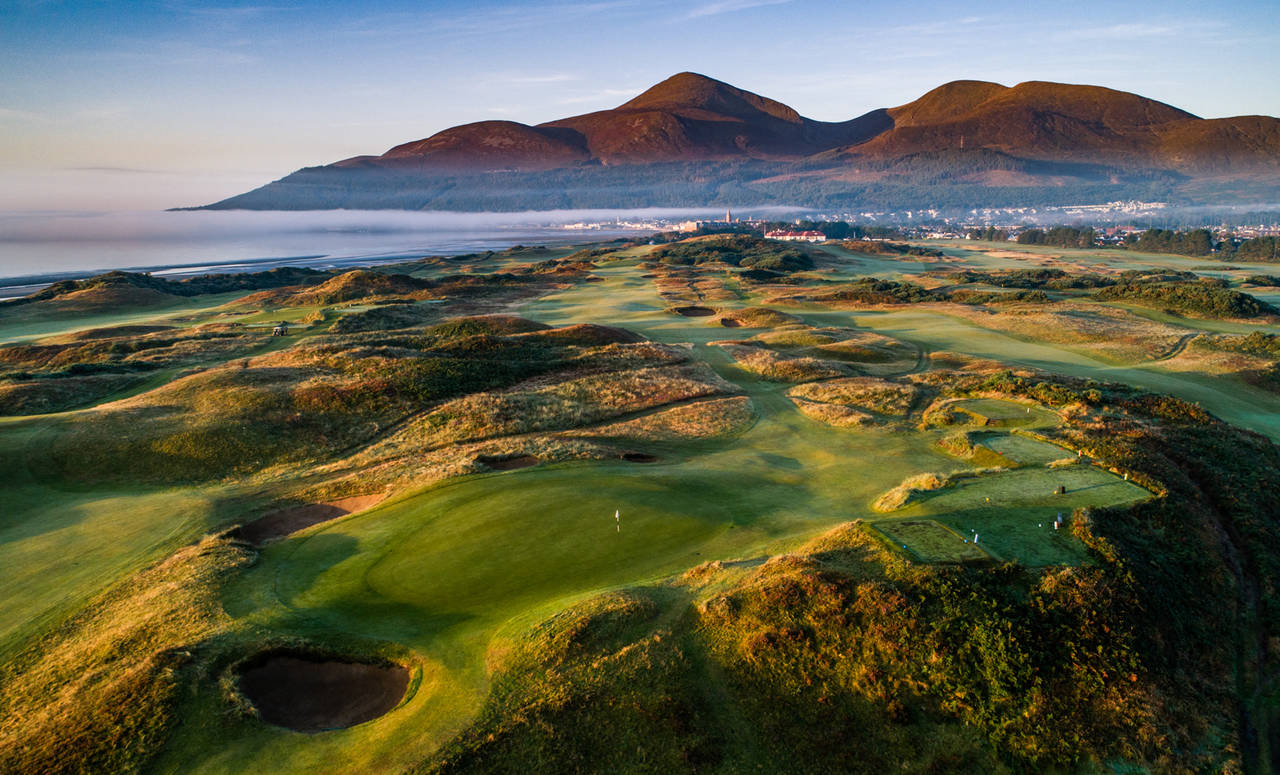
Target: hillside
[
  {"x": 693, "y": 140},
  {"x": 1040, "y": 120}
]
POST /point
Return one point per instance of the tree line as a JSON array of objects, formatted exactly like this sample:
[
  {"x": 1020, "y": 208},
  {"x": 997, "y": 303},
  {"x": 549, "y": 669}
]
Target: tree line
[
  {"x": 988, "y": 234},
  {"x": 1194, "y": 242},
  {"x": 1059, "y": 236}
]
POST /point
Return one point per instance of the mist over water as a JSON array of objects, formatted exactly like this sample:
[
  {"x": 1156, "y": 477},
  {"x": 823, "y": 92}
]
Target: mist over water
[{"x": 35, "y": 246}]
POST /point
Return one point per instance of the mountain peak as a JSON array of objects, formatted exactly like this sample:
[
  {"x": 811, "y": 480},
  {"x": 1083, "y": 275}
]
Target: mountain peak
[
  {"x": 1097, "y": 103},
  {"x": 699, "y": 92},
  {"x": 945, "y": 102}
]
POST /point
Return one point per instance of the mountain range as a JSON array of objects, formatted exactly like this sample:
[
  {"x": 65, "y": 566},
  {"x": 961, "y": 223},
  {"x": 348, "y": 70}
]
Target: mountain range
[{"x": 693, "y": 140}]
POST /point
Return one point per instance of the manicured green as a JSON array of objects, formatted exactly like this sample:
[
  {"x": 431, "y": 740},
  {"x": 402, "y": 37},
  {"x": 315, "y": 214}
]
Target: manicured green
[
  {"x": 930, "y": 541},
  {"x": 1023, "y": 449}
]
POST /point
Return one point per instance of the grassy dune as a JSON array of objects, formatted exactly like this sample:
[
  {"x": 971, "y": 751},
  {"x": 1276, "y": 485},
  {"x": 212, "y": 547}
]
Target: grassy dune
[{"x": 832, "y": 551}]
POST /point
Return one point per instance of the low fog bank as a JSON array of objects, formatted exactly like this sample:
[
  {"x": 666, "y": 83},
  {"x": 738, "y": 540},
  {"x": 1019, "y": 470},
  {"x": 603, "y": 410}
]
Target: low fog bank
[
  {"x": 38, "y": 248},
  {"x": 231, "y": 224}
]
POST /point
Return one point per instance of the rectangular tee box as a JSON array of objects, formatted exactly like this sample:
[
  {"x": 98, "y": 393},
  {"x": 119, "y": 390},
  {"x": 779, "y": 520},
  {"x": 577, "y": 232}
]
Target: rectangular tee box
[{"x": 931, "y": 541}]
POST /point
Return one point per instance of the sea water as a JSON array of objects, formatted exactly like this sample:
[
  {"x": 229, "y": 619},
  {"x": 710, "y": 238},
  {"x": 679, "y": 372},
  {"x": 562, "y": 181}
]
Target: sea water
[{"x": 37, "y": 248}]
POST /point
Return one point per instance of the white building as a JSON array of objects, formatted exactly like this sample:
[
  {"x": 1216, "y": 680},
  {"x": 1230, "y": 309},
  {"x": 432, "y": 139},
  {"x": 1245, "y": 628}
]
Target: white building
[{"x": 796, "y": 236}]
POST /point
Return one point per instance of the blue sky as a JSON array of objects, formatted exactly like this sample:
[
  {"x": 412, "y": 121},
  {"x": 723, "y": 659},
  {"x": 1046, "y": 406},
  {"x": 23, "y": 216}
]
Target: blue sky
[{"x": 149, "y": 104}]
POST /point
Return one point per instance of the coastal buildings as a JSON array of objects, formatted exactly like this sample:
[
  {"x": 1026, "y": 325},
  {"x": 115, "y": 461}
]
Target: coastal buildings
[{"x": 796, "y": 236}]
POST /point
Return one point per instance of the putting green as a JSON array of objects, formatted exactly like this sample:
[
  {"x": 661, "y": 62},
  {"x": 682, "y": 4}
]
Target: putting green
[
  {"x": 494, "y": 545},
  {"x": 1013, "y": 511},
  {"x": 1000, "y": 413}
]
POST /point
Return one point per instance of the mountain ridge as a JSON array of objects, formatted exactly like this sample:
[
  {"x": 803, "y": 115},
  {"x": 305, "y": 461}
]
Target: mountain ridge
[{"x": 1095, "y": 135}]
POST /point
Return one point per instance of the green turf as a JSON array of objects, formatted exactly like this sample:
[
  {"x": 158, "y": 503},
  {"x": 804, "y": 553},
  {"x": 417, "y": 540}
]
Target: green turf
[
  {"x": 1012, "y": 512},
  {"x": 447, "y": 572},
  {"x": 1000, "y": 413},
  {"x": 1237, "y": 403},
  {"x": 1022, "y": 449},
  {"x": 930, "y": 541},
  {"x": 59, "y": 545}
]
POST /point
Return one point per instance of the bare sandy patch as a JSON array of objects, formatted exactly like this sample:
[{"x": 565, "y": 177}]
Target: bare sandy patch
[{"x": 284, "y": 522}]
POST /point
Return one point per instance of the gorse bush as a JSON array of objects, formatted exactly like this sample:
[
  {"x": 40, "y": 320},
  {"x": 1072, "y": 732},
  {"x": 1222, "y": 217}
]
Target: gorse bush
[
  {"x": 740, "y": 250},
  {"x": 879, "y": 248},
  {"x": 870, "y": 290},
  {"x": 1204, "y": 299}
]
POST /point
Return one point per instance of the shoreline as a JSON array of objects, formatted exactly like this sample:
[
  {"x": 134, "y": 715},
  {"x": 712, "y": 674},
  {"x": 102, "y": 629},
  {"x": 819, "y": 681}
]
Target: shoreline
[{"x": 16, "y": 286}]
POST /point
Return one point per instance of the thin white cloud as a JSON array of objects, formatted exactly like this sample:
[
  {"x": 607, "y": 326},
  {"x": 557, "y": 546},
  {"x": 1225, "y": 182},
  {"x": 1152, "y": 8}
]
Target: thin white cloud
[
  {"x": 729, "y": 6},
  {"x": 534, "y": 79},
  {"x": 1130, "y": 31},
  {"x": 231, "y": 14},
  {"x": 945, "y": 26}
]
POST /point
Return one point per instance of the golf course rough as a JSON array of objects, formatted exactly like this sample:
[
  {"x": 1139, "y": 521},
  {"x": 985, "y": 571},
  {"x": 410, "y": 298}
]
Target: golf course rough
[{"x": 629, "y": 506}]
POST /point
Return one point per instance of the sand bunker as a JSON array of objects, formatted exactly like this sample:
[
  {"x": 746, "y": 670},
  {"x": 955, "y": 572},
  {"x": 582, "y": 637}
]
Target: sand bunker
[
  {"x": 694, "y": 312},
  {"x": 730, "y": 323},
  {"x": 638, "y": 457},
  {"x": 508, "y": 463},
  {"x": 313, "y": 695},
  {"x": 283, "y": 522}
]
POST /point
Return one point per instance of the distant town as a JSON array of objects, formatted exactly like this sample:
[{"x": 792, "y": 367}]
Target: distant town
[{"x": 1112, "y": 222}]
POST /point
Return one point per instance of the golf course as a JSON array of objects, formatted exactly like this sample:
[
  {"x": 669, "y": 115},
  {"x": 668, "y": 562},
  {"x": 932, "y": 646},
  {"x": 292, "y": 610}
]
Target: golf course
[{"x": 708, "y": 504}]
